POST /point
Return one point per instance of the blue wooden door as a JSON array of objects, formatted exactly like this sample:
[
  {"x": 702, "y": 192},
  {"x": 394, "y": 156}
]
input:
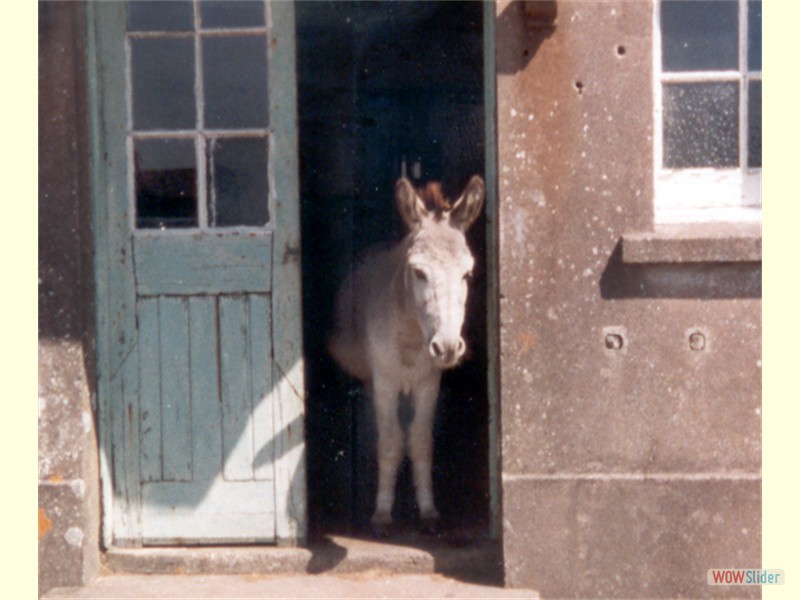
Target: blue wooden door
[{"x": 200, "y": 374}]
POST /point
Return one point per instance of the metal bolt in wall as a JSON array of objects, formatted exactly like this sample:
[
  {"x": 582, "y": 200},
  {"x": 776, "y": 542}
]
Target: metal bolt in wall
[
  {"x": 614, "y": 339},
  {"x": 697, "y": 341}
]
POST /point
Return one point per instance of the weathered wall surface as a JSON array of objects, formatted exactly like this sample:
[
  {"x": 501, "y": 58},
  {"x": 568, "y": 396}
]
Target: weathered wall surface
[
  {"x": 631, "y": 454},
  {"x": 68, "y": 476}
]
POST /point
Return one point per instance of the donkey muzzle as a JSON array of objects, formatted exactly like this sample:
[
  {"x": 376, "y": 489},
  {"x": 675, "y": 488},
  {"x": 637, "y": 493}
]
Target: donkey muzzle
[{"x": 446, "y": 353}]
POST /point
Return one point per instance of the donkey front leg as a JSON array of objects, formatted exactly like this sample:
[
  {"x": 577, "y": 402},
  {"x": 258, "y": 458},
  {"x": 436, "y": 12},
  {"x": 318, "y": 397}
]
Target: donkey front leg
[
  {"x": 390, "y": 451},
  {"x": 420, "y": 450}
]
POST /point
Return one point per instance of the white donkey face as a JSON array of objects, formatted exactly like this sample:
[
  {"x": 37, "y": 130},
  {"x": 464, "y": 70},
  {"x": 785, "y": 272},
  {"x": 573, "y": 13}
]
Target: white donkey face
[
  {"x": 439, "y": 266},
  {"x": 437, "y": 275}
]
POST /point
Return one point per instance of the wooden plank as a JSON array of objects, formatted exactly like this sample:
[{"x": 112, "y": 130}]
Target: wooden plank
[
  {"x": 237, "y": 426},
  {"x": 114, "y": 277},
  {"x": 203, "y": 263},
  {"x": 261, "y": 380},
  {"x": 290, "y": 477},
  {"x": 176, "y": 408},
  {"x": 149, "y": 390},
  {"x": 126, "y": 518},
  {"x": 204, "y": 377},
  {"x": 208, "y": 512}
]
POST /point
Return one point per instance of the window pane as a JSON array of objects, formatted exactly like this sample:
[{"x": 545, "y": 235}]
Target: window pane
[
  {"x": 754, "y": 124},
  {"x": 701, "y": 125},
  {"x": 163, "y": 83},
  {"x": 231, "y": 13},
  {"x": 166, "y": 190},
  {"x": 700, "y": 35},
  {"x": 238, "y": 182},
  {"x": 235, "y": 73},
  {"x": 167, "y": 15},
  {"x": 754, "y": 36}
]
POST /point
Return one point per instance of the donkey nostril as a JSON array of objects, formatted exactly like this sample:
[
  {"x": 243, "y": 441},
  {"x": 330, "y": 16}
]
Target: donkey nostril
[
  {"x": 436, "y": 349},
  {"x": 461, "y": 348}
]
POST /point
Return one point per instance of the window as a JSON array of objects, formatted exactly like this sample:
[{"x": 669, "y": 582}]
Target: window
[
  {"x": 198, "y": 120},
  {"x": 708, "y": 111}
]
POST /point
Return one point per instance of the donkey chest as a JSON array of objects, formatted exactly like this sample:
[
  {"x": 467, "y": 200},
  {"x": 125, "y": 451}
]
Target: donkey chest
[
  {"x": 409, "y": 345},
  {"x": 402, "y": 355}
]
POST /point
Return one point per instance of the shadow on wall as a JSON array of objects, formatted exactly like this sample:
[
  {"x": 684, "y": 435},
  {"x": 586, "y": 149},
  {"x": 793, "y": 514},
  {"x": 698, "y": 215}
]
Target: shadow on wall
[
  {"x": 65, "y": 243},
  {"x": 709, "y": 281},
  {"x": 532, "y": 23}
]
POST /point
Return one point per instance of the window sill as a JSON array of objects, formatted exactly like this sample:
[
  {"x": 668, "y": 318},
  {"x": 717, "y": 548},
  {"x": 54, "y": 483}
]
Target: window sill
[{"x": 694, "y": 243}]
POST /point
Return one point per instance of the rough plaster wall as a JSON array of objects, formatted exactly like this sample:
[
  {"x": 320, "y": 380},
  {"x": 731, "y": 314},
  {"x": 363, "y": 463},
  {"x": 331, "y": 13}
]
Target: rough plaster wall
[
  {"x": 68, "y": 474},
  {"x": 629, "y": 471}
]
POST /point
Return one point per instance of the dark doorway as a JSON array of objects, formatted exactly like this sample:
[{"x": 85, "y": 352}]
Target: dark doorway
[{"x": 387, "y": 88}]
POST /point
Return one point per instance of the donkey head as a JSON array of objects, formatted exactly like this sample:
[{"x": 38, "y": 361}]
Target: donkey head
[{"x": 439, "y": 263}]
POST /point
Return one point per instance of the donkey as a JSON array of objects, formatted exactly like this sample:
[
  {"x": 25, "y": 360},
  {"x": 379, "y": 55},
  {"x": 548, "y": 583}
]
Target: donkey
[{"x": 398, "y": 326}]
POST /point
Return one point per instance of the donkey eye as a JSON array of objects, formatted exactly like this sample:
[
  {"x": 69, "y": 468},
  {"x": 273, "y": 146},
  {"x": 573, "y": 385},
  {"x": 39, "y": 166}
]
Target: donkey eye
[{"x": 420, "y": 275}]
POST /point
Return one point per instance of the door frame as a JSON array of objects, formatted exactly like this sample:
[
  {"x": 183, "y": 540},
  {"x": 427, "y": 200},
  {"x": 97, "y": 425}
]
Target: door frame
[
  {"x": 115, "y": 293},
  {"x": 492, "y": 267}
]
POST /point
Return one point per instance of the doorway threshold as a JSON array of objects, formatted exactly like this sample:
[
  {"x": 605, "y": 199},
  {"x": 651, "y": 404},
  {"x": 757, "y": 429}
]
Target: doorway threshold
[{"x": 477, "y": 561}]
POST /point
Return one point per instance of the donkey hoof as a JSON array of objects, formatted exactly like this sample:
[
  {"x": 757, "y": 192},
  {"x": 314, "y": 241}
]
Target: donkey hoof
[
  {"x": 381, "y": 525},
  {"x": 381, "y": 529},
  {"x": 430, "y": 525}
]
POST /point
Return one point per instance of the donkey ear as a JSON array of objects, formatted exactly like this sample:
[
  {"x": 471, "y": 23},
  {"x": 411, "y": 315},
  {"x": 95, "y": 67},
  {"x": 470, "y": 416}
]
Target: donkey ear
[
  {"x": 409, "y": 204},
  {"x": 468, "y": 207}
]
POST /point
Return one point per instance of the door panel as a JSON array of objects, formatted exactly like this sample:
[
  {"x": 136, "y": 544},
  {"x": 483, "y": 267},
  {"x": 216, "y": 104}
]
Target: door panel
[
  {"x": 206, "y": 404},
  {"x": 205, "y": 410},
  {"x": 200, "y": 384},
  {"x": 229, "y": 510},
  {"x": 176, "y": 417},
  {"x": 204, "y": 376},
  {"x": 246, "y": 385},
  {"x": 203, "y": 264}
]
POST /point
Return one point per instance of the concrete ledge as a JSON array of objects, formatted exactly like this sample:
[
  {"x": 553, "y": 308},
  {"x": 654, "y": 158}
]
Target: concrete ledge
[
  {"x": 476, "y": 561},
  {"x": 695, "y": 243}
]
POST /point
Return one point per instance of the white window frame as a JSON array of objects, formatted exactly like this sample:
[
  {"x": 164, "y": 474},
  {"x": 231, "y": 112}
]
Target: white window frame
[{"x": 702, "y": 195}]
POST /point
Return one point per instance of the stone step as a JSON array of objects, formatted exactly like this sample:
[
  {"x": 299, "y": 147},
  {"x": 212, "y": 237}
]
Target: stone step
[
  {"x": 357, "y": 585},
  {"x": 479, "y": 560}
]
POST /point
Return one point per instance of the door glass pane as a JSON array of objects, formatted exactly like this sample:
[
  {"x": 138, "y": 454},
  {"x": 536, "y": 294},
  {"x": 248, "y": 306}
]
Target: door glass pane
[
  {"x": 235, "y": 82},
  {"x": 166, "y": 15},
  {"x": 166, "y": 192},
  {"x": 700, "y": 35},
  {"x": 754, "y": 36},
  {"x": 238, "y": 182},
  {"x": 231, "y": 13},
  {"x": 754, "y": 124},
  {"x": 701, "y": 125},
  {"x": 163, "y": 83}
]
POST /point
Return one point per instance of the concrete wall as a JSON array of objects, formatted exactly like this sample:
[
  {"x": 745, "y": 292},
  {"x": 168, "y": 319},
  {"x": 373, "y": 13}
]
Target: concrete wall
[
  {"x": 631, "y": 454},
  {"x": 69, "y": 511}
]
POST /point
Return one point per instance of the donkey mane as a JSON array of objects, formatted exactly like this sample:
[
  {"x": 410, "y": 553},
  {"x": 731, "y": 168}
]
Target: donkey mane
[{"x": 434, "y": 199}]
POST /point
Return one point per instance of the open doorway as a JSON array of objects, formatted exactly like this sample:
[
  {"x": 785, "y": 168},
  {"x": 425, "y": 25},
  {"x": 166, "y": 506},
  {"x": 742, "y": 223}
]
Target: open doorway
[{"x": 387, "y": 88}]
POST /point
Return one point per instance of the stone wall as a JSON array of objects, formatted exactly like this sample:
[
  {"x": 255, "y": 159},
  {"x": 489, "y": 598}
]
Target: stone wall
[
  {"x": 69, "y": 512},
  {"x": 631, "y": 421}
]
